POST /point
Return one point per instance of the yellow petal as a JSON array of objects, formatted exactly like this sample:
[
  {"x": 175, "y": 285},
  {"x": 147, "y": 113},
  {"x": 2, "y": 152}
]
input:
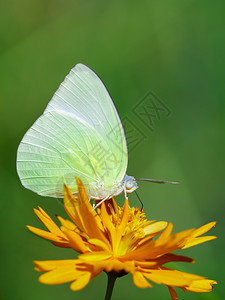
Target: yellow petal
[
  {"x": 47, "y": 235},
  {"x": 203, "y": 229},
  {"x": 110, "y": 228},
  {"x": 76, "y": 241},
  {"x": 146, "y": 240},
  {"x": 194, "y": 238},
  {"x": 67, "y": 224},
  {"x": 119, "y": 230},
  {"x": 60, "y": 275},
  {"x": 146, "y": 264},
  {"x": 195, "y": 241},
  {"x": 106, "y": 219},
  {"x": 81, "y": 282},
  {"x": 84, "y": 211},
  {"x": 168, "y": 277},
  {"x": 125, "y": 216},
  {"x": 47, "y": 221},
  {"x": 155, "y": 227},
  {"x": 116, "y": 209},
  {"x": 48, "y": 265},
  {"x": 201, "y": 286},
  {"x": 70, "y": 204},
  {"x": 95, "y": 256},
  {"x": 140, "y": 281},
  {"x": 98, "y": 243},
  {"x": 161, "y": 246},
  {"x": 166, "y": 233}
]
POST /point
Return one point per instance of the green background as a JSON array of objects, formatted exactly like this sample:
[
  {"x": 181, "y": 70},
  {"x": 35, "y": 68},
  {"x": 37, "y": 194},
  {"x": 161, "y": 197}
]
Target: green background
[{"x": 172, "y": 48}]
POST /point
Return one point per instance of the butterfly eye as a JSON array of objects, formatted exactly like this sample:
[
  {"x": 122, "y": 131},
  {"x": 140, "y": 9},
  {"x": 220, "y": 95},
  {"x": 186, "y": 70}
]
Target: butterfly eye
[{"x": 129, "y": 184}]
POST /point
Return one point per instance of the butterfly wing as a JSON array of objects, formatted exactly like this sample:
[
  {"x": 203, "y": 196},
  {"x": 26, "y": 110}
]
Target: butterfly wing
[{"x": 79, "y": 134}]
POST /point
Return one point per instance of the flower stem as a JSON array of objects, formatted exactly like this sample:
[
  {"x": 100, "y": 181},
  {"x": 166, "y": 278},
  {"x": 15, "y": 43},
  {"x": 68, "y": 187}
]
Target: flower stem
[{"x": 110, "y": 285}]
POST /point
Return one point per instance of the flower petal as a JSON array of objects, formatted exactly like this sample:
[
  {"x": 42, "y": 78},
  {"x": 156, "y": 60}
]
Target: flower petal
[
  {"x": 203, "y": 229},
  {"x": 166, "y": 233},
  {"x": 47, "y": 221},
  {"x": 168, "y": 277},
  {"x": 201, "y": 286},
  {"x": 48, "y": 265},
  {"x": 95, "y": 256},
  {"x": 119, "y": 230},
  {"x": 115, "y": 233},
  {"x": 140, "y": 281},
  {"x": 99, "y": 244},
  {"x": 146, "y": 264},
  {"x": 47, "y": 235},
  {"x": 155, "y": 227},
  {"x": 81, "y": 282},
  {"x": 76, "y": 241},
  {"x": 67, "y": 224},
  {"x": 196, "y": 241},
  {"x": 164, "y": 244},
  {"x": 83, "y": 212},
  {"x": 194, "y": 238},
  {"x": 59, "y": 275}
]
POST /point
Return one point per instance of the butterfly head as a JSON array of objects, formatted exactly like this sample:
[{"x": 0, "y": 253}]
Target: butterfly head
[{"x": 130, "y": 183}]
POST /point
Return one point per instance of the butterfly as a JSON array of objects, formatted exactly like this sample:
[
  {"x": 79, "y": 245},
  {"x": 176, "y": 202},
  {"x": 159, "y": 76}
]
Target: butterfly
[{"x": 79, "y": 134}]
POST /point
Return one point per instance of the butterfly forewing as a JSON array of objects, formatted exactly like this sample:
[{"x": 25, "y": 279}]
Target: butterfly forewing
[{"x": 79, "y": 134}]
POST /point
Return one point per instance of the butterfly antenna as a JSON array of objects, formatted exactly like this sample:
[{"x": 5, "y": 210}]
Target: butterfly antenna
[
  {"x": 158, "y": 181},
  {"x": 142, "y": 205}
]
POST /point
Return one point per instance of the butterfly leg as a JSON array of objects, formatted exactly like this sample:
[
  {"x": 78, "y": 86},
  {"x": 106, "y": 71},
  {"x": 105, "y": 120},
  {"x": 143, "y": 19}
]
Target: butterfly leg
[
  {"x": 99, "y": 203},
  {"x": 125, "y": 193}
]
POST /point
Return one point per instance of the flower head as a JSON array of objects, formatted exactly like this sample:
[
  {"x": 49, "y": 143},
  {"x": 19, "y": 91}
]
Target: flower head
[{"x": 120, "y": 240}]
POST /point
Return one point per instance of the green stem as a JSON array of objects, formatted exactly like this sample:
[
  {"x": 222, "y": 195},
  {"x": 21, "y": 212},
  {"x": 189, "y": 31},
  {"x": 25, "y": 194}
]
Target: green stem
[{"x": 110, "y": 285}]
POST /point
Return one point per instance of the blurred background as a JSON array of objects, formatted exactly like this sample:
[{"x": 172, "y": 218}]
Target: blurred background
[{"x": 164, "y": 58}]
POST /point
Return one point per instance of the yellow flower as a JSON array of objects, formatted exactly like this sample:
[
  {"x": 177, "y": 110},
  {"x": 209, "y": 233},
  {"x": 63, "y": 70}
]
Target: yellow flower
[{"x": 117, "y": 240}]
